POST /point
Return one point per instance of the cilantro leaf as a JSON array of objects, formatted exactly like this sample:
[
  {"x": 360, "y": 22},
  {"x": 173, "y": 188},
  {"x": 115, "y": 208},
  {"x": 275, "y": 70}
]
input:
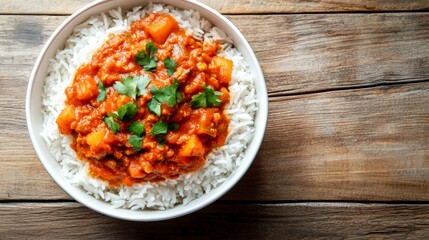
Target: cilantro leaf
[
  {"x": 101, "y": 92},
  {"x": 179, "y": 97},
  {"x": 154, "y": 106},
  {"x": 142, "y": 82},
  {"x": 208, "y": 98},
  {"x": 132, "y": 86},
  {"x": 137, "y": 128},
  {"x": 146, "y": 59},
  {"x": 166, "y": 94},
  {"x": 111, "y": 124},
  {"x": 160, "y": 139},
  {"x": 173, "y": 126},
  {"x": 159, "y": 128},
  {"x": 151, "y": 49},
  {"x": 126, "y": 87},
  {"x": 125, "y": 112},
  {"x": 212, "y": 96},
  {"x": 136, "y": 142},
  {"x": 170, "y": 64},
  {"x": 150, "y": 65},
  {"x": 199, "y": 100}
]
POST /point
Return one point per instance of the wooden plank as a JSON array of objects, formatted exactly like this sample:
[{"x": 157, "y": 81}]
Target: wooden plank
[
  {"x": 310, "y": 53},
  {"x": 385, "y": 167},
  {"x": 366, "y": 144},
  {"x": 313, "y": 53},
  {"x": 233, "y": 6},
  {"x": 222, "y": 221}
]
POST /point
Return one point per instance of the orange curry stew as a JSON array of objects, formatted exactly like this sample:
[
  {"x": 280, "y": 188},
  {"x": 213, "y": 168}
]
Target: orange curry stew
[{"x": 149, "y": 105}]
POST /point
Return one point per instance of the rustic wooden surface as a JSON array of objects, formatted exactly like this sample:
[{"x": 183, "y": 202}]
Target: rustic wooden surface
[
  {"x": 235, "y": 6},
  {"x": 222, "y": 221},
  {"x": 346, "y": 151}
]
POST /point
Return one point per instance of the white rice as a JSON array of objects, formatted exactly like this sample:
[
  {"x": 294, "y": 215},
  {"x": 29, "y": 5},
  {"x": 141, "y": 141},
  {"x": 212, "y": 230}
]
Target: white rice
[{"x": 220, "y": 163}]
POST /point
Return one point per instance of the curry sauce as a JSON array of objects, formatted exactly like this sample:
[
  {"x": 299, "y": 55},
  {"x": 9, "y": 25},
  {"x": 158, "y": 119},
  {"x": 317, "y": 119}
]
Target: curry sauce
[{"x": 149, "y": 106}]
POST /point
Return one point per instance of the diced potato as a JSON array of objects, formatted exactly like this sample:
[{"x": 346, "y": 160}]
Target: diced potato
[
  {"x": 135, "y": 170},
  {"x": 225, "y": 95},
  {"x": 205, "y": 124},
  {"x": 161, "y": 28},
  {"x": 223, "y": 68},
  {"x": 85, "y": 88},
  {"x": 96, "y": 143},
  {"x": 65, "y": 119},
  {"x": 193, "y": 147}
]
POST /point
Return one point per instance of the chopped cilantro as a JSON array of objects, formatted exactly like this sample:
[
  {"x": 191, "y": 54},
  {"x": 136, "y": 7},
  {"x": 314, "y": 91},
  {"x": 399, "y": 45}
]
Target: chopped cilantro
[
  {"x": 154, "y": 106},
  {"x": 137, "y": 128},
  {"x": 132, "y": 86},
  {"x": 101, "y": 92},
  {"x": 212, "y": 96},
  {"x": 160, "y": 139},
  {"x": 146, "y": 59},
  {"x": 208, "y": 98},
  {"x": 142, "y": 82},
  {"x": 166, "y": 94},
  {"x": 179, "y": 97},
  {"x": 170, "y": 64},
  {"x": 125, "y": 112},
  {"x": 136, "y": 142},
  {"x": 199, "y": 100},
  {"x": 126, "y": 87},
  {"x": 159, "y": 128},
  {"x": 111, "y": 124},
  {"x": 151, "y": 49},
  {"x": 173, "y": 126}
]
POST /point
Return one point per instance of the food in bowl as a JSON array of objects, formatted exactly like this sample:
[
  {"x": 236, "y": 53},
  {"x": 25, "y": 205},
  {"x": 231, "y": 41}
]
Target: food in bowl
[{"x": 148, "y": 109}]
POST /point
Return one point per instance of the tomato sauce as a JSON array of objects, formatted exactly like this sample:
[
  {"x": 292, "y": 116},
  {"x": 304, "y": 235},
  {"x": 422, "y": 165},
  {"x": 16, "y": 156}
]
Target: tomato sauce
[{"x": 181, "y": 149}]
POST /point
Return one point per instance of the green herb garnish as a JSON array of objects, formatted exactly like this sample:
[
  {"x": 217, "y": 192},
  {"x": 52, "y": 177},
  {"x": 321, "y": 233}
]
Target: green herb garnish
[
  {"x": 101, "y": 92},
  {"x": 166, "y": 94},
  {"x": 112, "y": 124},
  {"x": 154, "y": 106},
  {"x": 173, "y": 126},
  {"x": 170, "y": 65},
  {"x": 208, "y": 98},
  {"x": 142, "y": 82},
  {"x": 137, "y": 128},
  {"x": 132, "y": 86},
  {"x": 136, "y": 142},
  {"x": 146, "y": 59},
  {"x": 159, "y": 128},
  {"x": 125, "y": 112}
]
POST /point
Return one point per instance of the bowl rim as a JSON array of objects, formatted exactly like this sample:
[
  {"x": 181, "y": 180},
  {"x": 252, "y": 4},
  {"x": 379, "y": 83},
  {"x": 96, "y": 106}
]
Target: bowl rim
[{"x": 251, "y": 151}]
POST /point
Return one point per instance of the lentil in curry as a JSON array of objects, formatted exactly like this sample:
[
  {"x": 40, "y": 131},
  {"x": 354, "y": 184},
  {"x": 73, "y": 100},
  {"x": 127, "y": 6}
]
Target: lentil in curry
[{"x": 149, "y": 106}]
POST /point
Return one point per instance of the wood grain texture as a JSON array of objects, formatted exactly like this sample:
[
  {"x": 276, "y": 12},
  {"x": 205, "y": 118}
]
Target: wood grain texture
[
  {"x": 234, "y": 6},
  {"x": 222, "y": 221},
  {"x": 310, "y": 53},
  {"x": 313, "y": 52},
  {"x": 368, "y": 144}
]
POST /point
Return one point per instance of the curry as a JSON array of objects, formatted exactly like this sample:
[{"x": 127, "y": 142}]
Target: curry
[{"x": 149, "y": 106}]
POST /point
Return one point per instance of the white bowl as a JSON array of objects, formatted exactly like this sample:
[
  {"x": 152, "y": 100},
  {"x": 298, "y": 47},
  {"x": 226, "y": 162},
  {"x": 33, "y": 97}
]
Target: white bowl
[{"x": 35, "y": 118}]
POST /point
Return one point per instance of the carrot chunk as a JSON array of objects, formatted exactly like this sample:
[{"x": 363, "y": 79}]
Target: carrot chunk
[
  {"x": 162, "y": 27},
  {"x": 65, "y": 119},
  {"x": 86, "y": 88},
  {"x": 193, "y": 147},
  {"x": 223, "y": 68},
  {"x": 97, "y": 145}
]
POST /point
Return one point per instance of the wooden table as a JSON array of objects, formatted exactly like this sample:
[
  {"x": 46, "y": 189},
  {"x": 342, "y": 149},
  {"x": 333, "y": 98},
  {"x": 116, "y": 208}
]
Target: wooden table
[{"x": 345, "y": 154}]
